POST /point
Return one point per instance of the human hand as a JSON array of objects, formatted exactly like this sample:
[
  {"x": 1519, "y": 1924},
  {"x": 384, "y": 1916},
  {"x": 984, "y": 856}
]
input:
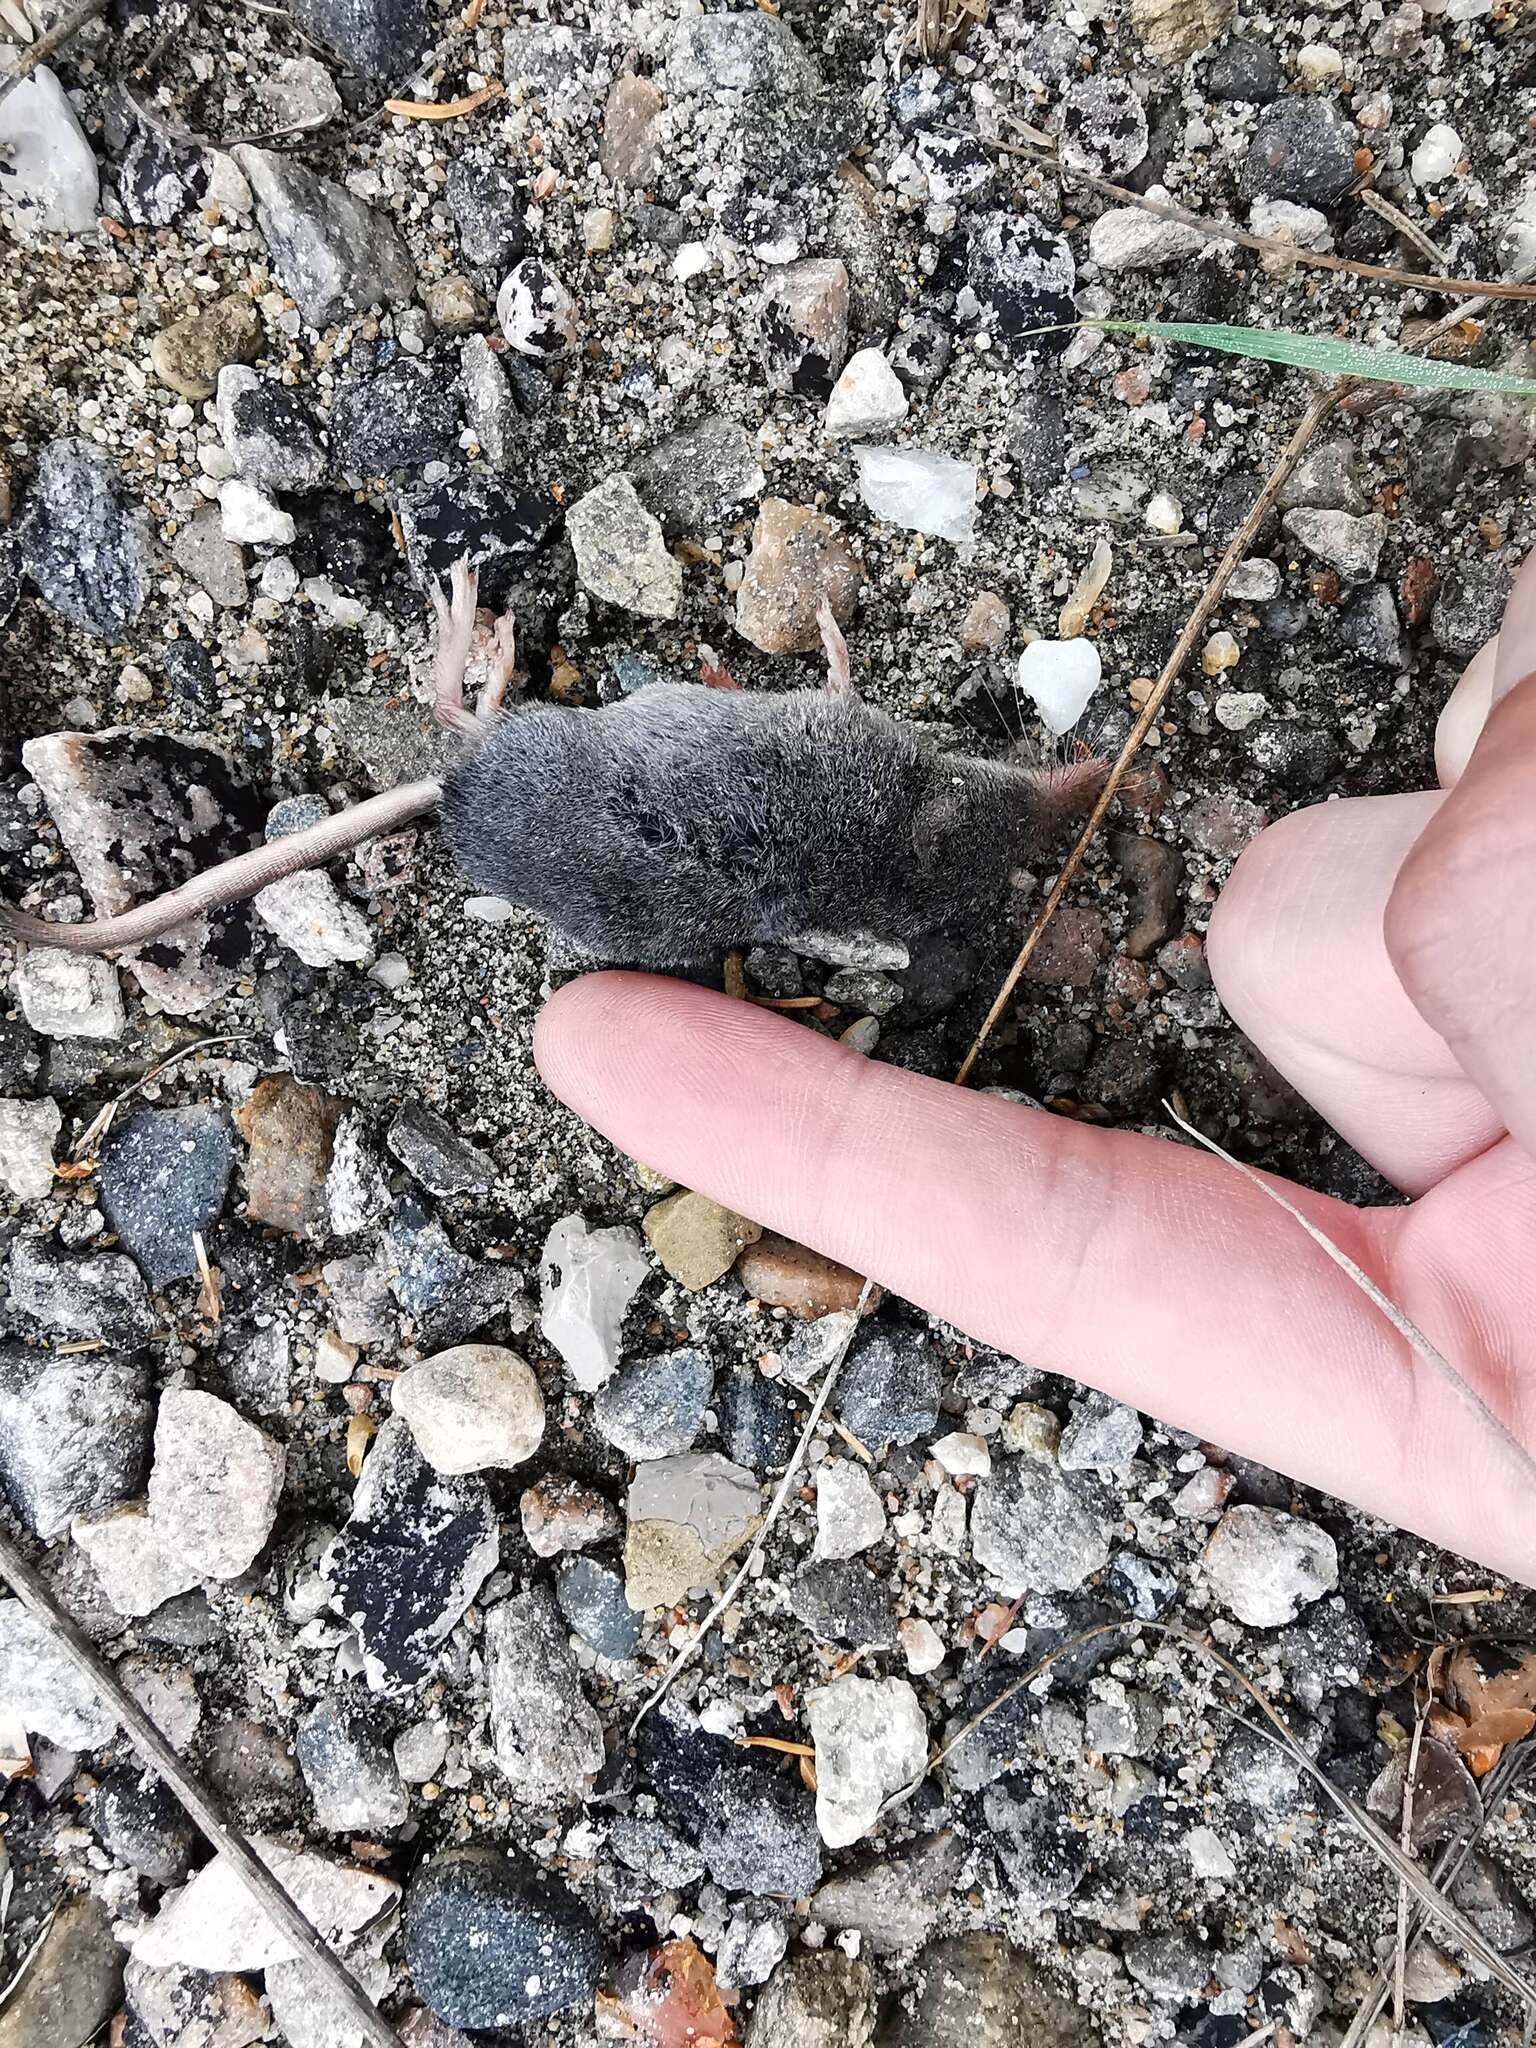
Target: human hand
[{"x": 1382, "y": 952}]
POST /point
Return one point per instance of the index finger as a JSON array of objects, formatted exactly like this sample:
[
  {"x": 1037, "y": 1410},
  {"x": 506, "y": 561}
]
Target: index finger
[{"x": 1145, "y": 1268}]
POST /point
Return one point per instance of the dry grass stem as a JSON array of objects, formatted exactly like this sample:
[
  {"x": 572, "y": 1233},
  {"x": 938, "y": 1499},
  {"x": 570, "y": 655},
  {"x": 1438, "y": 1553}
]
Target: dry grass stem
[
  {"x": 943, "y": 25},
  {"x": 1195, "y": 625},
  {"x": 339, "y": 1983},
  {"x": 1395, "y": 218},
  {"x": 1376, "y": 1837},
  {"x": 1405, "y": 1327},
  {"x": 1269, "y": 245},
  {"x": 90, "y": 1138},
  {"x": 46, "y": 46},
  {"x": 776, "y": 1508},
  {"x": 1405, "y": 1839}
]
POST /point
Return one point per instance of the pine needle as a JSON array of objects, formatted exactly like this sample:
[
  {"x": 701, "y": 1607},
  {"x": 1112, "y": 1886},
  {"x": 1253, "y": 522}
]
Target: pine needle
[
  {"x": 686, "y": 1653},
  {"x": 444, "y": 110},
  {"x": 1324, "y": 354},
  {"x": 1407, "y": 1329}
]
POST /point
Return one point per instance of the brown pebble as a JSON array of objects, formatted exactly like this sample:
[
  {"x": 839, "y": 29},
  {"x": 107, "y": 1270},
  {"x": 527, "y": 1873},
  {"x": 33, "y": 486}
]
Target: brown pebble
[
  {"x": 1069, "y": 953},
  {"x": 290, "y": 1129},
  {"x": 1154, "y": 880},
  {"x": 791, "y": 1276},
  {"x": 1417, "y": 588},
  {"x": 188, "y": 355},
  {"x": 798, "y": 557},
  {"x": 696, "y": 1240},
  {"x": 985, "y": 625}
]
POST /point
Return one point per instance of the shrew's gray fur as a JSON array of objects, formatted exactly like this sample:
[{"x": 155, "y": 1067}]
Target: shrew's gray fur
[{"x": 684, "y": 821}]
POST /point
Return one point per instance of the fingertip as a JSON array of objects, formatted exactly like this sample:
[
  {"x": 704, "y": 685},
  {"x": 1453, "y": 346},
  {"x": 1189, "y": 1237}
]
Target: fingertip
[
  {"x": 1515, "y": 657},
  {"x": 582, "y": 1025},
  {"x": 1465, "y": 713}
]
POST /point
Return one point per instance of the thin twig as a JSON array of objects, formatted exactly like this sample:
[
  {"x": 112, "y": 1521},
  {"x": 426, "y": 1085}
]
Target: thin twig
[
  {"x": 1210, "y": 598},
  {"x": 686, "y": 1652},
  {"x": 1443, "y": 1875},
  {"x": 1395, "y": 218},
  {"x": 1405, "y": 1327},
  {"x": 1405, "y": 1840},
  {"x": 101, "y": 1122},
  {"x": 1365, "y": 1825},
  {"x": 41, "y": 1603},
  {"x": 1267, "y": 245},
  {"x": 62, "y": 32}
]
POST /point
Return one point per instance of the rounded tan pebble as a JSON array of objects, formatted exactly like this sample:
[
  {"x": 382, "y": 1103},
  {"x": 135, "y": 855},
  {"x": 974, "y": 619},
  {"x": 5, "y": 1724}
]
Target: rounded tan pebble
[
  {"x": 189, "y": 354},
  {"x": 472, "y": 1408},
  {"x": 696, "y": 1240},
  {"x": 985, "y": 625},
  {"x": 793, "y": 1277}
]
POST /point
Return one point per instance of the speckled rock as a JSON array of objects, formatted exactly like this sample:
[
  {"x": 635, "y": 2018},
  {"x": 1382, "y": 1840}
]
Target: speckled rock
[
  {"x": 888, "y": 1390},
  {"x": 548, "y": 1739},
  {"x": 84, "y": 541},
  {"x": 215, "y": 1483},
  {"x": 99, "y": 1295},
  {"x": 871, "y": 1743},
  {"x": 74, "y": 1433},
  {"x": 350, "y": 1772},
  {"x": 695, "y": 477},
  {"x": 1303, "y": 149},
  {"x": 331, "y": 252},
  {"x": 816, "y": 2001},
  {"x": 491, "y": 1942},
  {"x": 979, "y": 1991},
  {"x": 272, "y": 437},
  {"x": 798, "y": 558},
  {"x": 655, "y": 1408},
  {"x": 138, "y": 1572},
  {"x": 382, "y": 39},
  {"x": 42, "y": 1688},
  {"x": 69, "y": 995},
  {"x": 1264, "y": 1565},
  {"x": 621, "y": 554},
  {"x": 1034, "y": 1529},
  {"x": 188, "y": 355},
  {"x": 163, "y": 1177}
]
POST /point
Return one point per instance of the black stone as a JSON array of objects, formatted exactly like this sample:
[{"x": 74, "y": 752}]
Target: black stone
[
  {"x": 402, "y": 418},
  {"x": 890, "y": 1387},
  {"x": 1469, "y": 609},
  {"x": 272, "y": 434},
  {"x": 1369, "y": 624},
  {"x": 841, "y": 1601},
  {"x": 1043, "y": 1857},
  {"x": 74, "y": 1433},
  {"x": 428, "y": 1146},
  {"x": 99, "y": 1294},
  {"x": 1245, "y": 69},
  {"x": 447, "y": 1295},
  {"x": 1145, "y": 1588},
  {"x": 1441, "y": 461},
  {"x": 1299, "y": 757},
  {"x": 756, "y": 1426},
  {"x": 591, "y": 1597},
  {"x": 487, "y": 204},
  {"x": 145, "y": 1825},
  {"x": 758, "y": 1833},
  {"x": 382, "y": 39},
  {"x": 1303, "y": 149},
  {"x": 163, "y": 1176},
  {"x": 1283, "y": 619},
  {"x": 919, "y": 353},
  {"x": 84, "y": 542},
  {"x": 1005, "y": 1741},
  {"x": 189, "y": 671},
  {"x": 490, "y": 1941},
  {"x": 490, "y": 523}
]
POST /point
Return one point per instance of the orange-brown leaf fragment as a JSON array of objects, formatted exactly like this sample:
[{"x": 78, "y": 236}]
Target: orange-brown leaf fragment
[{"x": 667, "y": 1998}]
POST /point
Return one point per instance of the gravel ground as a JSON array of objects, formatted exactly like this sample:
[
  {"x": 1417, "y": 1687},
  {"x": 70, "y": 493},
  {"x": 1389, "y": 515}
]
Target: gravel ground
[{"x": 649, "y": 256}]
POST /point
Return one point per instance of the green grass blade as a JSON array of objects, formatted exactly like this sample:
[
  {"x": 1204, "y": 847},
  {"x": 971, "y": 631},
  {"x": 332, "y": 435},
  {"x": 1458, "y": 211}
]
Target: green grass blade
[{"x": 1322, "y": 352}]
